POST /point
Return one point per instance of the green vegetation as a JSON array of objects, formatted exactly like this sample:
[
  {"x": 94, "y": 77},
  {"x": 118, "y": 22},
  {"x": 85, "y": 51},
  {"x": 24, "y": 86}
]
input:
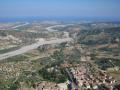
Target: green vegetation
[
  {"x": 17, "y": 58},
  {"x": 39, "y": 71},
  {"x": 51, "y": 70},
  {"x": 8, "y": 50},
  {"x": 54, "y": 74},
  {"x": 105, "y": 63}
]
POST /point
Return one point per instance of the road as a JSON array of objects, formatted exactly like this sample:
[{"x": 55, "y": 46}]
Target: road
[{"x": 69, "y": 74}]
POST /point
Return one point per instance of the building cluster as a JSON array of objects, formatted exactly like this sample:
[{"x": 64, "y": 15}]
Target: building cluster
[{"x": 87, "y": 81}]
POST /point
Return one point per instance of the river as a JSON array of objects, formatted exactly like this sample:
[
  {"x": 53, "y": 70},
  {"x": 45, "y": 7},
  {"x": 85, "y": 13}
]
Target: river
[{"x": 34, "y": 46}]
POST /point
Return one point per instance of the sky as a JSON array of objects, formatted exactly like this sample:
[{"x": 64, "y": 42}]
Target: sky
[{"x": 60, "y": 8}]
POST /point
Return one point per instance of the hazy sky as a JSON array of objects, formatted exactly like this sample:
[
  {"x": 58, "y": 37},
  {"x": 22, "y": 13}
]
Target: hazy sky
[{"x": 57, "y": 8}]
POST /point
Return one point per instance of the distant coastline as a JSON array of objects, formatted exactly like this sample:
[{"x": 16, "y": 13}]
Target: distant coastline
[{"x": 30, "y": 19}]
